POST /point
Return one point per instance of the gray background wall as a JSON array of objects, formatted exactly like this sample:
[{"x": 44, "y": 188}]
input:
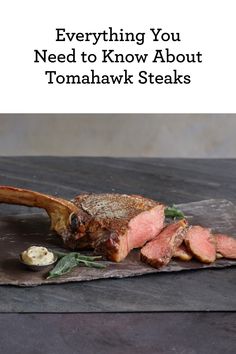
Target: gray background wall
[{"x": 167, "y": 135}]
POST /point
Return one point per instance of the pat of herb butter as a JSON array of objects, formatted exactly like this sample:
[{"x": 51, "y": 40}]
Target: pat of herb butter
[{"x": 36, "y": 255}]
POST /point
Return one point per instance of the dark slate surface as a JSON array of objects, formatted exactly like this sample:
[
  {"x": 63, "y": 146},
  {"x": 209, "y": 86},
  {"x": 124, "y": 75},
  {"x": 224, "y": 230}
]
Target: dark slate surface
[
  {"x": 169, "y": 180},
  {"x": 159, "y": 333},
  {"x": 18, "y": 232}
]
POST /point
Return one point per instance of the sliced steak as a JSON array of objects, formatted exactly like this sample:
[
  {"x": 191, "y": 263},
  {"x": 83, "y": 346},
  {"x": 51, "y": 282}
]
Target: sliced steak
[
  {"x": 118, "y": 223},
  {"x": 161, "y": 249},
  {"x": 226, "y": 246},
  {"x": 183, "y": 253},
  {"x": 201, "y": 243}
]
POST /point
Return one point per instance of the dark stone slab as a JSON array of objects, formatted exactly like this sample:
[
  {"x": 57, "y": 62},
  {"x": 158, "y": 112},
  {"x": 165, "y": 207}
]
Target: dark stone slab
[
  {"x": 159, "y": 333},
  {"x": 20, "y": 232},
  {"x": 169, "y": 180}
]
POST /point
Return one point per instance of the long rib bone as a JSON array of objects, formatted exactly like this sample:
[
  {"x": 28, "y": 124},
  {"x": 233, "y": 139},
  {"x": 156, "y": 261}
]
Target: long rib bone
[{"x": 59, "y": 210}]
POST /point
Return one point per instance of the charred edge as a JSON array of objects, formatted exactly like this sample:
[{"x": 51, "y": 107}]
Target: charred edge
[
  {"x": 108, "y": 246},
  {"x": 156, "y": 263}
]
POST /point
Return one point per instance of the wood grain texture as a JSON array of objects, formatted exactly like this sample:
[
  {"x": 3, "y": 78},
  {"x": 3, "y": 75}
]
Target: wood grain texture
[{"x": 168, "y": 180}]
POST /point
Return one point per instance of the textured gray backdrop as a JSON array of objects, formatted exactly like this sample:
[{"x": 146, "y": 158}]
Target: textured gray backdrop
[{"x": 169, "y": 135}]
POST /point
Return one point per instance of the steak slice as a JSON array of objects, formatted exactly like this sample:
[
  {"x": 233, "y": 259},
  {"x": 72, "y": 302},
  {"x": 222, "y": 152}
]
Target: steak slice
[
  {"x": 183, "y": 253},
  {"x": 118, "y": 223},
  {"x": 201, "y": 243},
  {"x": 226, "y": 246},
  {"x": 159, "y": 251}
]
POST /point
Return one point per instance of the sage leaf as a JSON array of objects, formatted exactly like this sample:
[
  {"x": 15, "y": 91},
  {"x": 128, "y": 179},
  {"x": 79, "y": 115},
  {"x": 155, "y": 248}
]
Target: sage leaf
[
  {"x": 68, "y": 261},
  {"x": 90, "y": 264},
  {"x": 173, "y": 212},
  {"x": 63, "y": 266}
]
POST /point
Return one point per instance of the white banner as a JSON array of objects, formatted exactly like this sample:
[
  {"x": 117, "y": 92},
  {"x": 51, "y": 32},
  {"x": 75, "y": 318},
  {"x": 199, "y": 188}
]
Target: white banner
[{"x": 118, "y": 57}]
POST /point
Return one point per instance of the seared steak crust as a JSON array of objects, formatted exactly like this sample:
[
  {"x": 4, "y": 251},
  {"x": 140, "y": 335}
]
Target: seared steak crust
[
  {"x": 112, "y": 220},
  {"x": 113, "y": 210}
]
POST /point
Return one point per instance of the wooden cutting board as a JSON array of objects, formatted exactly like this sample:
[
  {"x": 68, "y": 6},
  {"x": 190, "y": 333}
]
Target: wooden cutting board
[{"x": 19, "y": 232}]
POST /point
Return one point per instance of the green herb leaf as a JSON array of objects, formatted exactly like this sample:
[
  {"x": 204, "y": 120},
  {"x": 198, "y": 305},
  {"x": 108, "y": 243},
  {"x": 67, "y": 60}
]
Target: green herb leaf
[
  {"x": 76, "y": 254},
  {"x": 173, "y": 212},
  {"x": 68, "y": 261},
  {"x": 63, "y": 266},
  {"x": 88, "y": 258},
  {"x": 90, "y": 264}
]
